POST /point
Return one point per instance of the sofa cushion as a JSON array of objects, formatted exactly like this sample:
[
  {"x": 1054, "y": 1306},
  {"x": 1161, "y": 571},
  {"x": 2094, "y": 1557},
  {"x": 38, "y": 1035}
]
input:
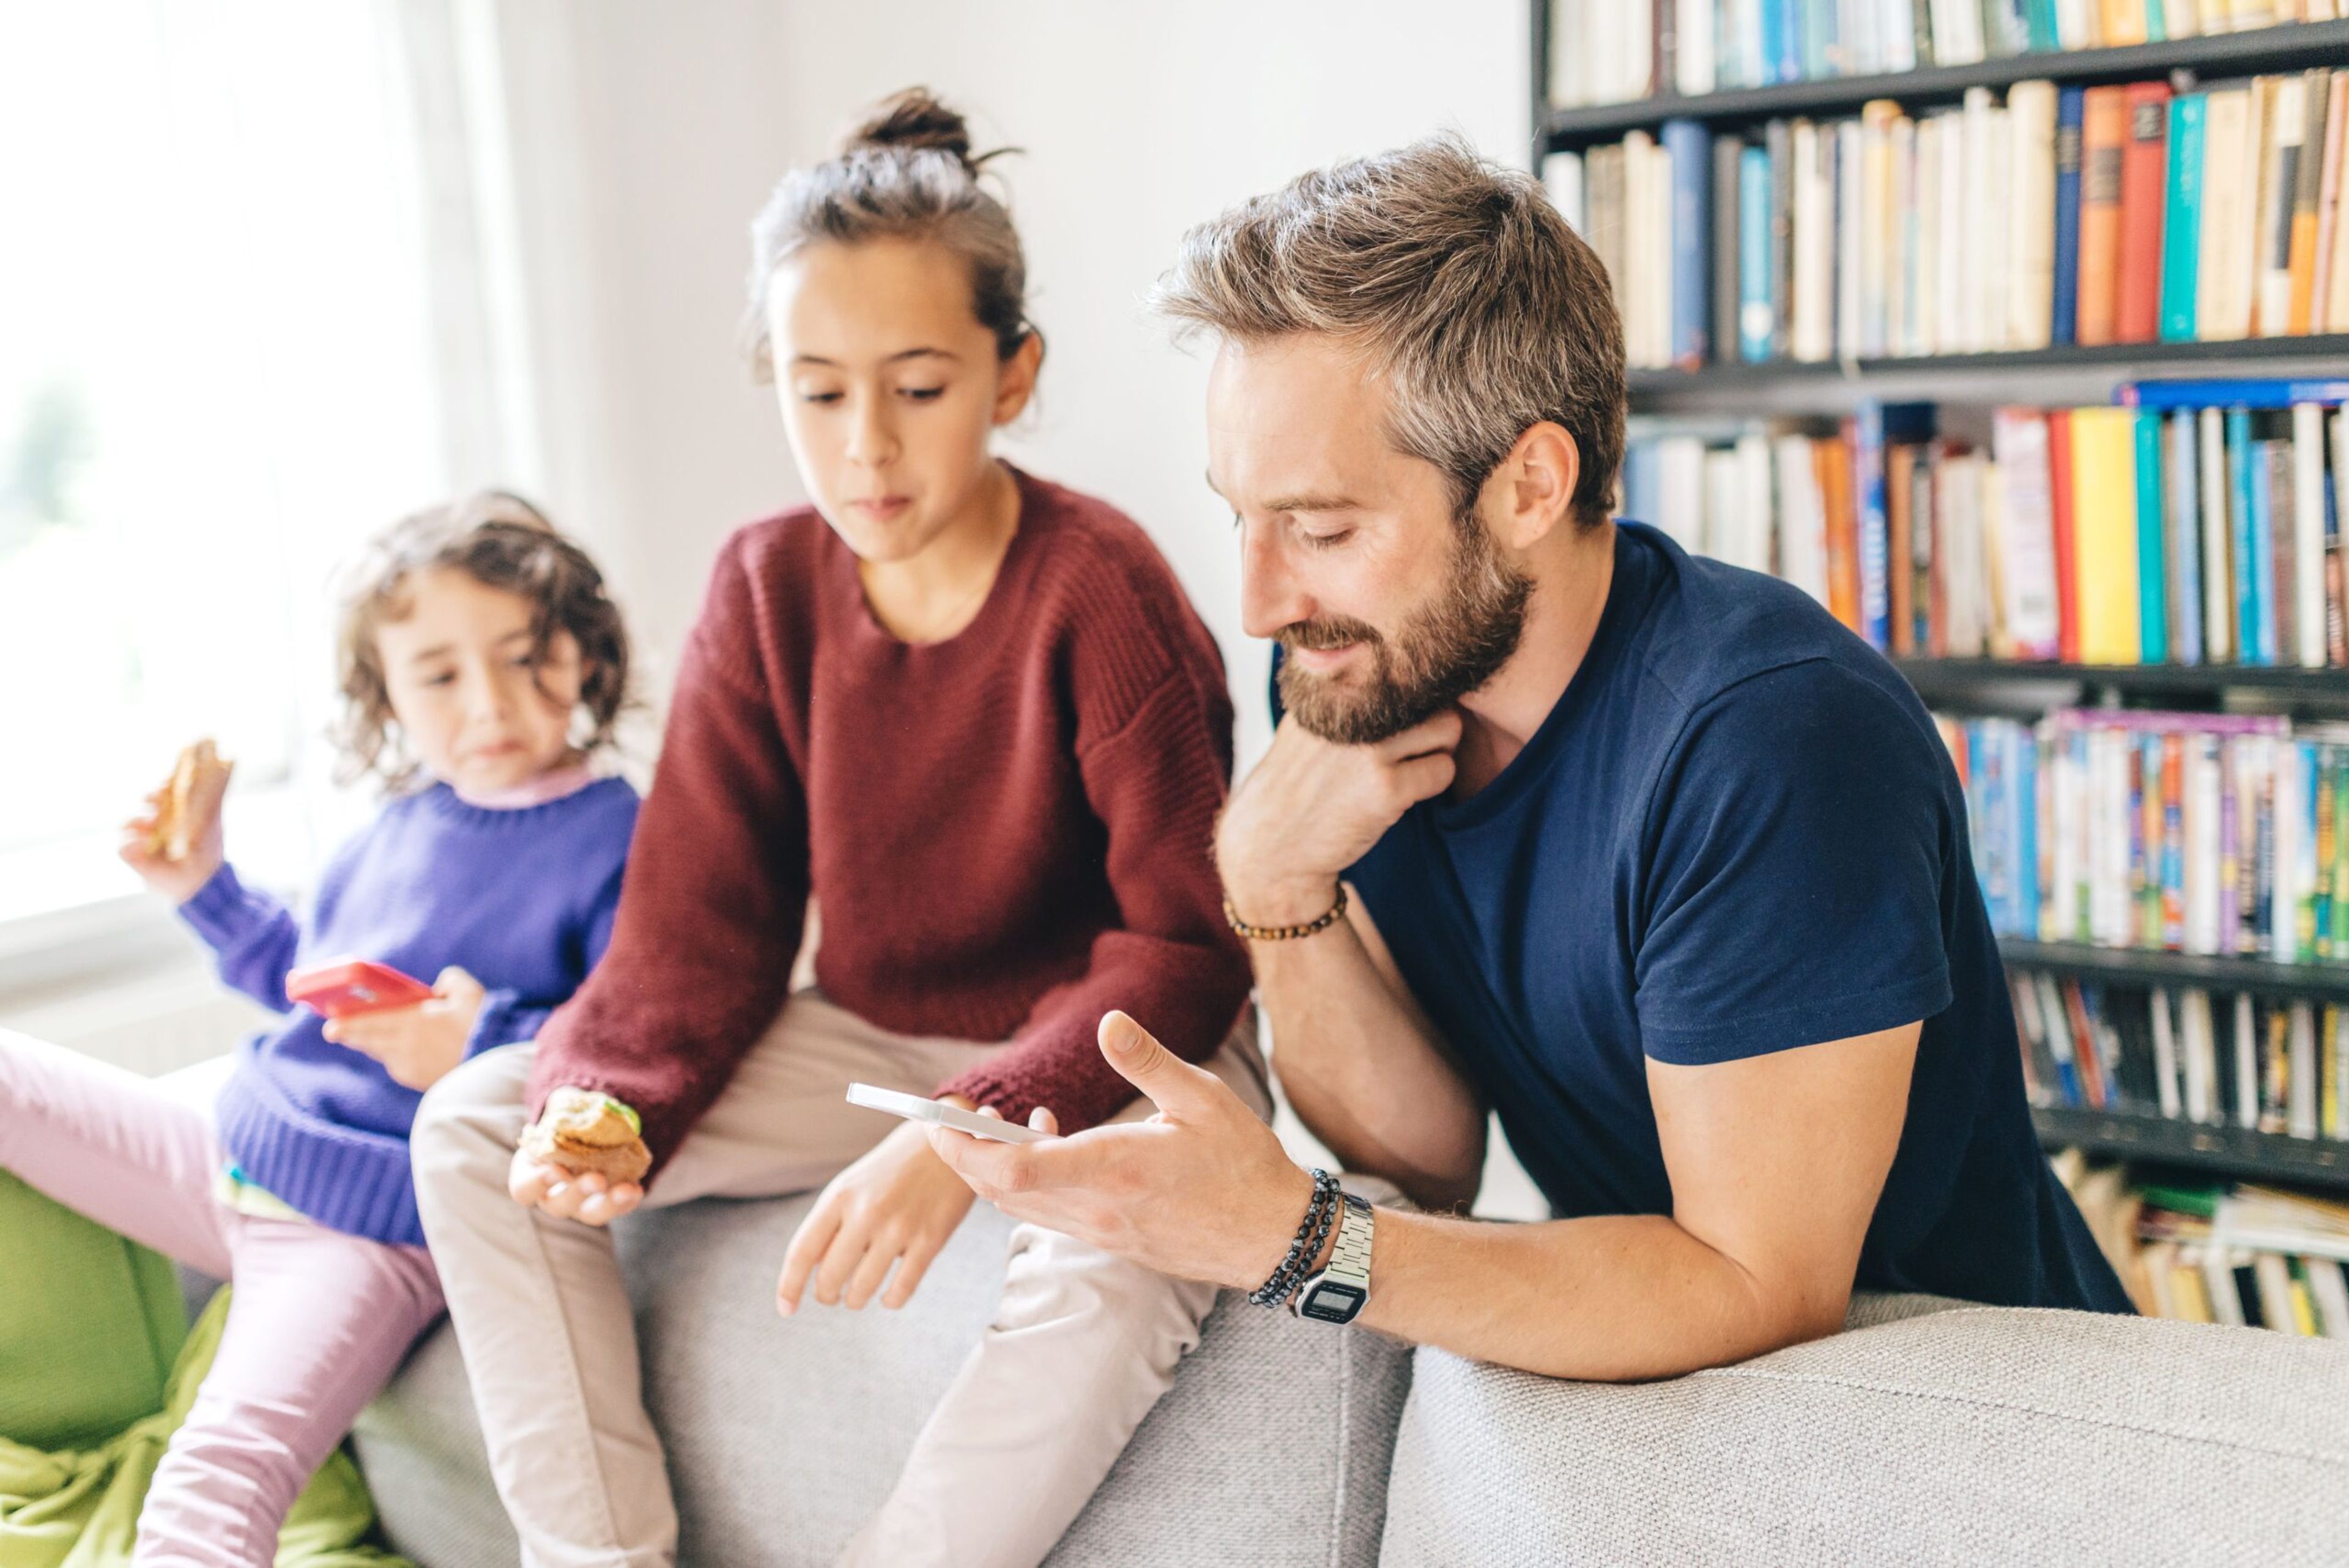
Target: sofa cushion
[
  {"x": 1273, "y": 1445},
  {"x": 1964, "y": 1436}
]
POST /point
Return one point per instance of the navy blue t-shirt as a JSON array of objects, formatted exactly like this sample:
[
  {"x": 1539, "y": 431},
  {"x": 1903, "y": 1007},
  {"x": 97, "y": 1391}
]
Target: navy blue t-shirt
[{"x": 1737, "y": 833}]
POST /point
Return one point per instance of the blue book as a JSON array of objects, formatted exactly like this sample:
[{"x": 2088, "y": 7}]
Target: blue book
[
  {"x": 2039, "y": 23},
  {"x": 2241, "y": 529},
  {"x": 2220, "y": 394},
  {"x": 2025, "y": 815},
  {"x": 2184, "y": 490},
  {"x": 2068, "y": 104},
  {"x": 1787, "y": 41},
  {"x": 2263, "y": 552},
  {"x": 1818, "y": 39},
  {"x": 1642, "y": 480},
  {"x": 2152, "y": 522},
  {"x": 1690, "y": 147},
  {"x": 1873, "y": 426},
  {"x": 1754, "y": 318},
  {"x": 2181, "y": 219},
  {"x": 1774, "y": 26}
]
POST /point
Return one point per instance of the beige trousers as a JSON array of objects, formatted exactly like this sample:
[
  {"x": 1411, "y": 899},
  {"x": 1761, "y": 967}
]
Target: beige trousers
[{"x": 549, "y": 1343}]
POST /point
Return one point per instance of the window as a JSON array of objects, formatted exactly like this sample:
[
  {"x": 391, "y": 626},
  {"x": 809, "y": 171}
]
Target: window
[{"x": 215, "y": 376}]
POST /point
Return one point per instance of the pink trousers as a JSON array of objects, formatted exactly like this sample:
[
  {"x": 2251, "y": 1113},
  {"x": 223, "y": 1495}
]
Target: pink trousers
[{"x": 317, "y": 1326}]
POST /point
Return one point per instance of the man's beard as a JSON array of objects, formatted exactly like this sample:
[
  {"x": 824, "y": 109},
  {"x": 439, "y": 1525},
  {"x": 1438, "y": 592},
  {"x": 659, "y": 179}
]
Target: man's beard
[{"x": 1446, "y": 650}]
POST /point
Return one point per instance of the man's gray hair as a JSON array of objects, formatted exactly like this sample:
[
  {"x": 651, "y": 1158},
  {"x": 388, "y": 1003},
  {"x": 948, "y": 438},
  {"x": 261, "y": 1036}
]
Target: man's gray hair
[{"x": 1465, "y": 288}]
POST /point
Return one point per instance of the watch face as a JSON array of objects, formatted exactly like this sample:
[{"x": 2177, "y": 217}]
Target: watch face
[{"x": 1331, "y": 1301}]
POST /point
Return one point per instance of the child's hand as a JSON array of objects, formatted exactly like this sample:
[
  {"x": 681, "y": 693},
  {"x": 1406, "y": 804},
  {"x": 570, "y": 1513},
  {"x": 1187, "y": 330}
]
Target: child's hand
[
  {"x": 179, "y": 880},
  {"x": 898, "y": 1205},
  {"x": 583, "y": 1196},
  {"x": 421, "y": 1044}
]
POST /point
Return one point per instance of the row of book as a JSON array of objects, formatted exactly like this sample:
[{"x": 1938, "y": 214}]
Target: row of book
[
  {"x": 2205, "y": 833},
  {"x": 1615, "y": 51},
  {"x": 2199, "y": 525},
  {"x": 2242, "y": 1254},
  {"x": 2058, "y": 216},
  {"x": 2216, "y": 1060}
]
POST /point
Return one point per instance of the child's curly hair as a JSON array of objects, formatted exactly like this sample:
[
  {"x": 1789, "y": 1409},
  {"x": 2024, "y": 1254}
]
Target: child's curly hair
[{"x": 500, "y": 540}]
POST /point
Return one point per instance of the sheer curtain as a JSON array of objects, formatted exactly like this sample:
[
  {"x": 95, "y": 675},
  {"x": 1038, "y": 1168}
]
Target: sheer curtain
[{"x": 262, "y": 294}]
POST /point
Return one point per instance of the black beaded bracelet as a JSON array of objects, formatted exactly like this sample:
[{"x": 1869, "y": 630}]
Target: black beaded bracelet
[
  {"x": 1304, "y": 1247},
  {"x": 1321, "y": 1229}
]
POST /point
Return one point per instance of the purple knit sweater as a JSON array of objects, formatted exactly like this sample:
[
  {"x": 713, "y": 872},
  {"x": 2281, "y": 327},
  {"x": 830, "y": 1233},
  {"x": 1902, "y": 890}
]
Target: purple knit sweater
[{"x": 522, "y": 899}]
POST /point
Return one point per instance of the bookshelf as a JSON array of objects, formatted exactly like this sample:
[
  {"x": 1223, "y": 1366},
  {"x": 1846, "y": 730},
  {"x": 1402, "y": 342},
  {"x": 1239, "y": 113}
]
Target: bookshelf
[
  {"x": 2290, "y": 46},
  {"x": 1780, "y": 384}
]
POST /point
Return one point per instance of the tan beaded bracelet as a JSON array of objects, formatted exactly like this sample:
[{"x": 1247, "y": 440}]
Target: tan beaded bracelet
[{"x": 1284, "y": 932}]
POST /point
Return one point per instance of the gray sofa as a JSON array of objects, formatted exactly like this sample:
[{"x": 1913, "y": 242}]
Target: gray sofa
[{"x": 1929, "y": 1432}]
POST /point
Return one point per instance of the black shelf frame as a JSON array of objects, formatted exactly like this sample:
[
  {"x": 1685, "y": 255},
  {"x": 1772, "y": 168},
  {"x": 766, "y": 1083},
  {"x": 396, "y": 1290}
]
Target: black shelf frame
[
  {"x": 2325, "y": 350},
  {"x": 2322, "y": 982},
  {"x": 2231, "y": 1151},
  {"x": 1941, "y": 679},
  {"x": 2290, "y": 46}
]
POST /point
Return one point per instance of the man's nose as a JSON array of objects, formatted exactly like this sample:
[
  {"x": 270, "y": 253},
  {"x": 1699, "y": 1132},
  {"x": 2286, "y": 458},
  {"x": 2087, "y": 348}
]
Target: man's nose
[{"x": 1271, "y": 596}]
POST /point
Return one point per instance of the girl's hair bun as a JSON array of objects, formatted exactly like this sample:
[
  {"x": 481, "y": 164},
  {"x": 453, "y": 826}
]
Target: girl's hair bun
[{"x": 915, "y": 122}]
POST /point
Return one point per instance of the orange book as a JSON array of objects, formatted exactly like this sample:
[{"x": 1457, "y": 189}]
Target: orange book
[
  {"x": 1899, "y": 477},
  {"x": 2308, "y": 191},
  {"x": 1843, "y": 528},
  {"x": 2145, "y": 177},
  {"x": 2104, "y": 145},
  {"x": 2067, "y": 569}
]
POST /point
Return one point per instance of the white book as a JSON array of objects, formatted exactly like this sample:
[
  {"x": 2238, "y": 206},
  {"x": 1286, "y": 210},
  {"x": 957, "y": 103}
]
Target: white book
[
  {"x": 1925, "y": 301},
  {"x": 2301, "y": 1096},
  {"x": 1802, "y": 517},
  {"x": 2108, "y": 911},
  {"x": 2286, "y": 126},
  {"x": 2326, "y": 1283},
  {"x": 1860, "y": 20},
  {"x": 1848, "y": 222},
  {"x": 1724, "y": 522},
  {"x": 2308, "y": 532},
  {"x": 2223, "y": 278},
  {"x": 1562, "y": 178},
  {"x": 1876, "y": 216},
  {"x": 1811, "y": 331},
  {"x": 1755, "y": 549},
  {"x": 2179, "y": 18},
  {"x": 2218, "y": 1284},
  {"x": 2217, "y": 583},
  {"x": 2247, "y": 1063},
  {"x": 2166, "y": 1076},
  {"x": 1976, "y": 256},
  {"x": 1570, "y": 52},
  {"x": 1693, "y": 40},
  {"x": 1997, "y": 218},
  {"x": 2030, "y": 274},
  {"x": 1747, "y": 18},
  {"x": 1604, "y": 26},
  {"x": 2075, "y": 23},
  {"x": 1660, "y": 254},
  {"x": 1896, "y": 32},
  {"x": 1646, "y": 204},
  {"x": 2202, "y": 810},
  {"x": 2275, "y": 1277},
  {"x": 2339, "y": 1045},
  {"x": 1957, "y": 31},
  {"x": 2062, "y": 906},
  {"x": 1957, "y": 504},
  {"x": 2200, "y": 1056},
  {"x": 1636, "y": 72},
  {"x": 1950, "y": 306},
  {"x": 1679, "y": 490},
  {"x": 1900, "y": 237},
  {"x": 2027, "y": 525}
]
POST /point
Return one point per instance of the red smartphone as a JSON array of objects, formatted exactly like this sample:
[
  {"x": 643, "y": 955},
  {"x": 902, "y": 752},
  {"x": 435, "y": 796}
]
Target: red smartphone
[{"x": 345, "y": 987}]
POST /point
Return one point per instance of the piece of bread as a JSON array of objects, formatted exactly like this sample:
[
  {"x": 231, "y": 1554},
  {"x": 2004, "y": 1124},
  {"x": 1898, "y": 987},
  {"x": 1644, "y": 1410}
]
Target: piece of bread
[
  {"x": 582, "y": 1130},
  {"x": 175, "y": 830}
]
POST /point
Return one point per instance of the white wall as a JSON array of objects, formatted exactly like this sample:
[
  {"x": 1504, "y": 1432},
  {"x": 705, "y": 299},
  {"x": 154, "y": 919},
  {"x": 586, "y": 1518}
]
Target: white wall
[{"x": 1137, "y": 121}]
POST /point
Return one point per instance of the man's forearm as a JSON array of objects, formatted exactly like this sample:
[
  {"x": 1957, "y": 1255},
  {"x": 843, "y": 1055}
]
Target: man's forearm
[
  {"x": 1361, "y": 1072},
  {"x": 1611, "y": 1298}
]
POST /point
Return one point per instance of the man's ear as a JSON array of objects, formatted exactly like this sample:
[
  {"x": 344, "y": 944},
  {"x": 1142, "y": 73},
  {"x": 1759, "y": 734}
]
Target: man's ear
[
  {"x": 1531, "y": 494},
  {"x": 1015, "y": 378}
]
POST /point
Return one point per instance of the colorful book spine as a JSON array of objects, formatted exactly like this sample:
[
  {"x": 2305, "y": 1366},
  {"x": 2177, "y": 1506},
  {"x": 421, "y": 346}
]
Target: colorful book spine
[
  {"x": 2104, "y": 523},
  {"x": 2182, "y": 490},
  {"x": 1875, "y": 526},
  {"x": 2263, "y": 550},
  {"x": 2069, "y": 106},
  {"x": 2239, "y": 516},
  {"x": 2228, "y": 394},
  {"x": 2136, "y": 309},
  {"x": 2181, "y": 233},
  {"x": 1754, "y": 318},
  {"x": 2152, "y": 524},
  {"x": 1689, "y": 145}
]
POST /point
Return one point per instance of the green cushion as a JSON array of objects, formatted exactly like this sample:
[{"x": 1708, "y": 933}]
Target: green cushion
[{"x": 89, "y": 1324}]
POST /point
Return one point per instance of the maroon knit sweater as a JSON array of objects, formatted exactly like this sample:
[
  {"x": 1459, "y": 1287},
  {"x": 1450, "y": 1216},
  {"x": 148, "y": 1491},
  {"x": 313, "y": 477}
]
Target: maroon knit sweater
[{"x": 1007, "y": 833}]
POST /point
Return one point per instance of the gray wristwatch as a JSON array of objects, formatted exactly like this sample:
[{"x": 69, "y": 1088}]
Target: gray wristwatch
[{"x": 1339, "y": 1293}]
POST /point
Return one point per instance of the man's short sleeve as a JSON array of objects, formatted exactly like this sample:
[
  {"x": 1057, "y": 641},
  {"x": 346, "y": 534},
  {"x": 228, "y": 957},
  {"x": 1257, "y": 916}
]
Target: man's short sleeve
[{"x": 1793, "y": 870}]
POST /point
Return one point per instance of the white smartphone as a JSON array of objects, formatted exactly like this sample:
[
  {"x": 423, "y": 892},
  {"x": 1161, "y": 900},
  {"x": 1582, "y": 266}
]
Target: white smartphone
[{"x": 914, "y": 1108}]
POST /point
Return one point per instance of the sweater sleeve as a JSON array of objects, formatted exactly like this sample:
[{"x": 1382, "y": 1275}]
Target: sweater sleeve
[
  {"x": 714, "y": 898},
  {"x": 1156, "y": 783},
  {"x": 252, "y": 936}
]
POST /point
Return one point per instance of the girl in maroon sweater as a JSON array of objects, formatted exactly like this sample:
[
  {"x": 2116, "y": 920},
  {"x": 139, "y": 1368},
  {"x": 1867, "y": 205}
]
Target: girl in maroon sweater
[{"x": 971, "y": 714}]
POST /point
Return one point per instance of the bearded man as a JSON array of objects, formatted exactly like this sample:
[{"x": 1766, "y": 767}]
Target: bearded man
[{"x": 1645, "y": 853}]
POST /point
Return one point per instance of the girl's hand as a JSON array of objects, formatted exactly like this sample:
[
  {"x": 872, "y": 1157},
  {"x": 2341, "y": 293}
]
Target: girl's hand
[
  {"x": 179, "y": 880},
  {"x": 421, "y": 1044},
  {"x": 898, "y": 1205},
  {"x": 581, "y": 1195}
]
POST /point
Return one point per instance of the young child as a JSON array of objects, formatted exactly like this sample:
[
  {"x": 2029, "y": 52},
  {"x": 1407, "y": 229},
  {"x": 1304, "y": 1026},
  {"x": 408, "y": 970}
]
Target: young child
[
  {"x": 483, "y": 667},
  {"x": 972, "y": 713}
]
